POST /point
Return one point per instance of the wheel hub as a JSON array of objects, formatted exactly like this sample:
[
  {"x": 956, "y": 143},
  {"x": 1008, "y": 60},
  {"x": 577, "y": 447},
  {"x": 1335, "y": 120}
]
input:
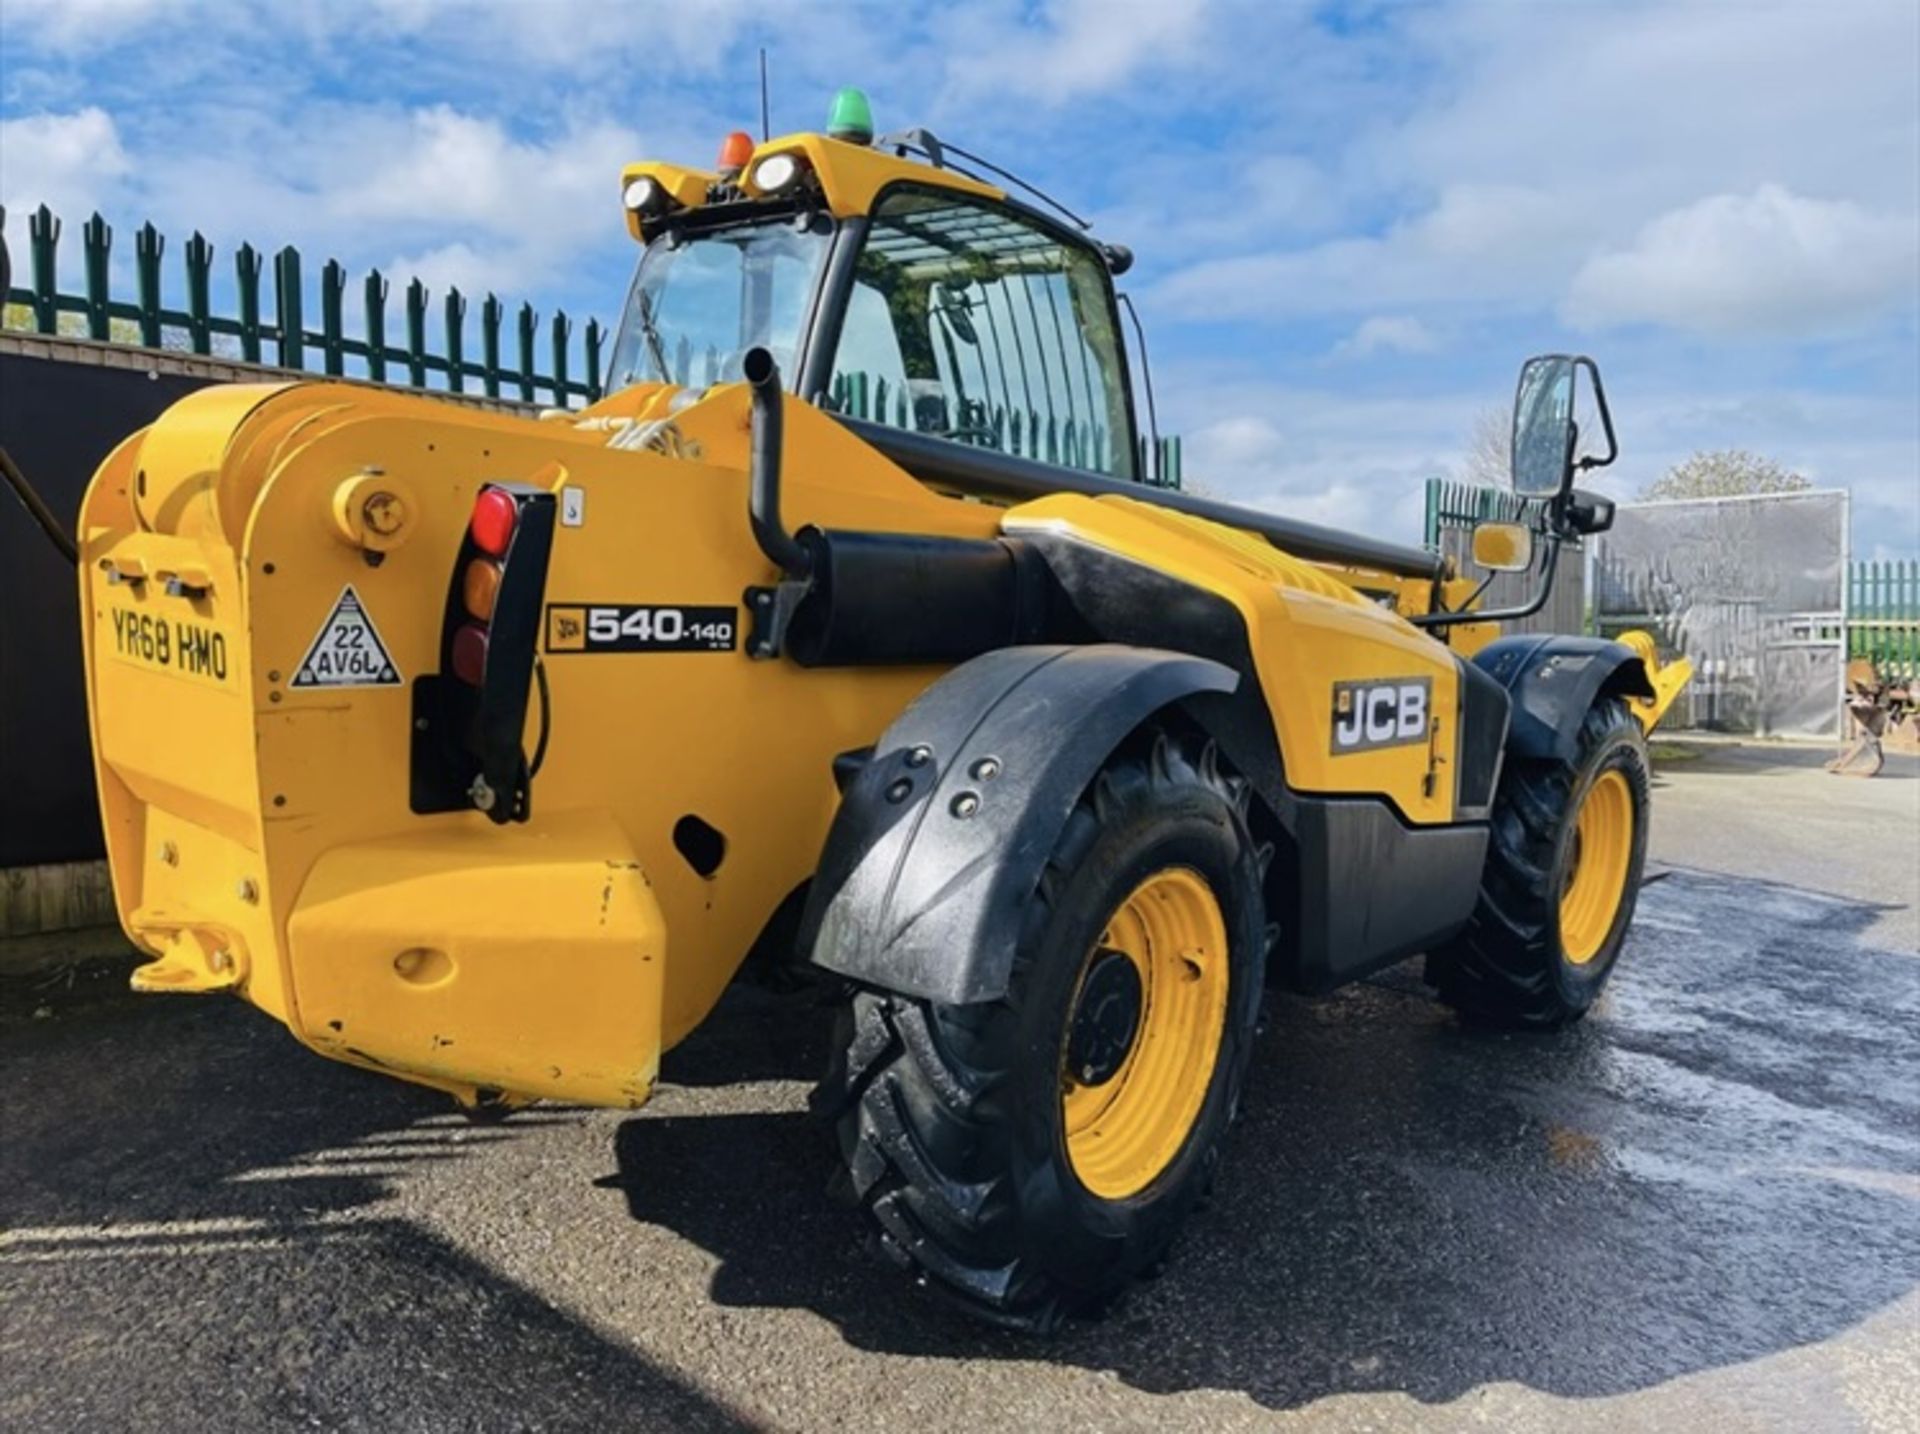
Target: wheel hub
[
  {"x": 1143, "y": 1036},
  {"x": 1106, "y": 1019}
]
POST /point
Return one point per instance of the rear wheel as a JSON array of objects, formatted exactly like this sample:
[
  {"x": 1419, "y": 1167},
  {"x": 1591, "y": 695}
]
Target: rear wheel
[
  {"x": 1030, "y": 1156},
  {"x": 1568, "y": 846}
]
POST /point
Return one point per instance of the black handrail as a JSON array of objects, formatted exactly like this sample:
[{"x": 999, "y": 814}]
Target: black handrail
[{"x": 986, "y": 473}]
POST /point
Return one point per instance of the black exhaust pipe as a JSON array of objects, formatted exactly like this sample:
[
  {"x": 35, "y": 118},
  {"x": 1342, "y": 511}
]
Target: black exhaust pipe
[{"x": 763, "y": 479}]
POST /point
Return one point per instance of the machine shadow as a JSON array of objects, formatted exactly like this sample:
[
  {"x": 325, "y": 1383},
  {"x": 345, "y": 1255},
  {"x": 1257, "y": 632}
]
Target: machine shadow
[
  {"x": 190, "y": 1226},
  {"x": 1695, "y": 1177}
]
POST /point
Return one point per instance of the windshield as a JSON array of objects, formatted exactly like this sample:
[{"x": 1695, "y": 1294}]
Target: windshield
[{"x": 697, "y": 305}]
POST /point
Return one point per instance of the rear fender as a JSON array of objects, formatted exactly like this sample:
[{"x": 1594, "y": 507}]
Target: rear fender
[
  {"x": 942, "y": 835},
  {"x": 1553, "y": 681}
]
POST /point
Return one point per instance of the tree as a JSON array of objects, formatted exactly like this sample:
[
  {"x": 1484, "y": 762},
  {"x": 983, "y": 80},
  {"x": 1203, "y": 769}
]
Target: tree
[
  {"x": 1488, "y": 460},
  {"x": 1725, "y": 473}
]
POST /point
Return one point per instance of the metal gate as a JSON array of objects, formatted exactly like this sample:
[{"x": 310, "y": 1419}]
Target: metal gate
[{"x": 1752, "y": 589}]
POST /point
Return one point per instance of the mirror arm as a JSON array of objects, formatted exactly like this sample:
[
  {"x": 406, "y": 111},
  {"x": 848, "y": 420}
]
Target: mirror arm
[
  {"x": 1537, "y": 600},
  {"x": 1606, "y": 416}
]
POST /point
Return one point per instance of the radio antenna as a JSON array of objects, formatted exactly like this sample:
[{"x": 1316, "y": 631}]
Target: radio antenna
[{"x": 766, "y": 125}]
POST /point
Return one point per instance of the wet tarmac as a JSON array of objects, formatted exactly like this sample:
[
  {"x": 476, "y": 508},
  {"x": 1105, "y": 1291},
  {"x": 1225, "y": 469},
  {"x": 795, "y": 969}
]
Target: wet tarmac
[{"x": 1701, "y": 1207}]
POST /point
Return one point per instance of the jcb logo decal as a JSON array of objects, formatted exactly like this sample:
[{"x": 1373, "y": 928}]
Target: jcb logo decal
[{"x": 1389, "y": 713}]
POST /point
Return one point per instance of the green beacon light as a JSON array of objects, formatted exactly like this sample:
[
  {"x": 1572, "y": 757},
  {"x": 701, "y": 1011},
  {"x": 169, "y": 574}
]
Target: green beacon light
[{"x": 851, "y": 118}]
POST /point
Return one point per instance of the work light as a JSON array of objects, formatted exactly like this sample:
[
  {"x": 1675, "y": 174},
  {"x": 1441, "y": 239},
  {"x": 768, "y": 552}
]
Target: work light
[
  {"x": 777, "y": 173},
  {"x": 644, "y": 196}
]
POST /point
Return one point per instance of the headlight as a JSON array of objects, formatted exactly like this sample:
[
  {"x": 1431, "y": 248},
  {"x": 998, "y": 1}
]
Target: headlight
[
  {"x": 778, "y": 173},
  {"x": 644, "y": 196}
]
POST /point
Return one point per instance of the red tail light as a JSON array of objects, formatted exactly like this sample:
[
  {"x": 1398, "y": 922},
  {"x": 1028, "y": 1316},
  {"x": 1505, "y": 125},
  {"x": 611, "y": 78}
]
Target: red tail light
[
  {"x": 494, "y": 514},
  {"x": 470, "y": 718},
  {"x": 470, "y": 653}
]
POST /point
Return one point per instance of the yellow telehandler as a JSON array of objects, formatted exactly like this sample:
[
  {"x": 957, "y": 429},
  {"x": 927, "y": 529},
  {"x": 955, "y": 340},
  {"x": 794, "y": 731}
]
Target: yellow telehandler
[{"x": 481, "y": 749}]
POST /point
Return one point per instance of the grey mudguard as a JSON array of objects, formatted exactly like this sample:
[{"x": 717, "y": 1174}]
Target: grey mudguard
[
  {"x": 1553, "y": 681},
  {"x": 942, "y": 835}
]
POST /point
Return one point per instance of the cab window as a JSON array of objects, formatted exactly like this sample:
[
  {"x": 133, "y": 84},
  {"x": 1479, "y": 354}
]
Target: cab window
[{"x": 970, "y": 323}]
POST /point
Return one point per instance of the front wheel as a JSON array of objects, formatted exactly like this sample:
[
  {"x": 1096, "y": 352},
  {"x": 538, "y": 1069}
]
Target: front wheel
[
  {"x": 1564, "y": 860},
  {"x": 1032, "y": 1155}
]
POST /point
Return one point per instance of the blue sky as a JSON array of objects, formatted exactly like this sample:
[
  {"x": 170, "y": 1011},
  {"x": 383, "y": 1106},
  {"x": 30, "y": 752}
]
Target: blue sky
[{"x": 1352, "y": 221}]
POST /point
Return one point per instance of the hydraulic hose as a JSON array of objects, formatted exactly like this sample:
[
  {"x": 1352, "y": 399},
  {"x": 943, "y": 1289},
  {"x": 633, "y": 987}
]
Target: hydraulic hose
[
  {"x": 38, "y": 510},
  {"x": 763, "y": 480}
]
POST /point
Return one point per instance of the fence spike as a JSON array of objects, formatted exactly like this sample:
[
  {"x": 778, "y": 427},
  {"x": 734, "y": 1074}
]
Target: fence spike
[
  {"x": 595, "y": 336},
  {"x": 247, "y": 263},
  {"x": 198, "y": 255},
  {"x": 416, "y": 333},
  {"x": 562, "y": 330},
  {"x": 527, "y": 325},
  {"x": 491, "y": 315},
  {"x": 43, "y": 237},
  {"x": 333, "y": 288},
  {"x": 148, "y": 245},
  {"x": 96, "y": 241},
  {"x": 292, "y": 335},
  {"x": 456, "y": 321},
  {"x": 376, "y": 302}
]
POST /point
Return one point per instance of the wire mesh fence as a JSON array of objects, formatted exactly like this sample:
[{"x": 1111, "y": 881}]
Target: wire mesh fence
[{"x": 1753, "y": 589}]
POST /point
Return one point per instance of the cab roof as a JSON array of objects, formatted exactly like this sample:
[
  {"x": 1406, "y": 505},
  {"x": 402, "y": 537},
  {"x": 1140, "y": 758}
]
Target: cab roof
[{"x": 849, "y": 177}]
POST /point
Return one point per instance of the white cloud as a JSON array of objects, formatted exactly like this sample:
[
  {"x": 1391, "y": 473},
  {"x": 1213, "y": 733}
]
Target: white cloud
[
  {"x": 1387, "y": 334},
  {"x": 475, "y": 272},
  {"x": 77, "y": 25},
  {"x": 1477, "y": 244},
  {"x": 1354, "y": 462},
  {"x": 1079, "y": 47},
  {"x": 1772, "y": 262},
  {"x": 69, "y": 162},
  {"x": 459, "y": 172}
]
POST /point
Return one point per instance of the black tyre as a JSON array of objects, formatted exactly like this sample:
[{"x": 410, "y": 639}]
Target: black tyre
[
  {"x": 1568, "y": 845},
  {"x": 1030, "y": 1156}
]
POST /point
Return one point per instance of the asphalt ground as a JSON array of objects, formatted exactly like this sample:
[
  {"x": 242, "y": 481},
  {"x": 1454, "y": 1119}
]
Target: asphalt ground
[{"x": 1699, "y": 1209}]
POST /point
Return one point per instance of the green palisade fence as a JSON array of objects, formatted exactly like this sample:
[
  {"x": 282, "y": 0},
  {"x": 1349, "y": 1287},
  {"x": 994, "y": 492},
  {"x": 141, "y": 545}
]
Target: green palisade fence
[
  {"x": 537, "y": 369},
  {"x": 1883, "y": 616},
  {"x": 1453, "y": 509},
  {"x": 1460, "y": 505},
  {"x": 860, "y": 394}
]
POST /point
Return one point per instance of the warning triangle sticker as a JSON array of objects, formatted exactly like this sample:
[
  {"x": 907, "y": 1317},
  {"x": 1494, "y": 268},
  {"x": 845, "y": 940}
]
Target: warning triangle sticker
[{"x": 347, "y": 652}]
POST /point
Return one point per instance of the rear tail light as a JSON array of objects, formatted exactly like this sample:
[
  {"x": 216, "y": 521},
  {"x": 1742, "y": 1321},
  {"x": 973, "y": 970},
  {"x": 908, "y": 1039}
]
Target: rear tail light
[
  {"x": 479, "y": 588},
  {"x": 490, "y": 530},
  {"x": 469, "y": 655},
  {"x": 470, "y": 718},
  {"x": 494, "y": 516}
]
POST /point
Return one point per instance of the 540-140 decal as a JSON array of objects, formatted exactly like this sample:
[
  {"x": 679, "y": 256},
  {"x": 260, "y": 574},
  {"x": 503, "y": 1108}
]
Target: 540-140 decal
[{"x": 641, "y": 627}]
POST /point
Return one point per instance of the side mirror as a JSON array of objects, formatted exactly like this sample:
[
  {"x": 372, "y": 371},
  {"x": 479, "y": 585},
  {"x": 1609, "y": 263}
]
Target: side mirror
[
  {"x": 954, "y": 308},
  {"x": 1503, "y": 547},
  {"x": 1545, "y": 435}
]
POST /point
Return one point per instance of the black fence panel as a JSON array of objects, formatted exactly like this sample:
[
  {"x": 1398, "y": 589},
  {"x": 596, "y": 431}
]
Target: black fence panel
[{"x": 59, "y": 421}]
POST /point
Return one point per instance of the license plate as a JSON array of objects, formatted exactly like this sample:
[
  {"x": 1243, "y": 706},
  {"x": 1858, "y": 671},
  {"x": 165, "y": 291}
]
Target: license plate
[{"x": 184, "y": 646}]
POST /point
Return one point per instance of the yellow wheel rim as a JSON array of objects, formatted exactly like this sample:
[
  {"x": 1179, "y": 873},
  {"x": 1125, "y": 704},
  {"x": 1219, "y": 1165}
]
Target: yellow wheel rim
[
  {"x": 1124, "y": 1130},
  {"x": 1596, "y": 879}
]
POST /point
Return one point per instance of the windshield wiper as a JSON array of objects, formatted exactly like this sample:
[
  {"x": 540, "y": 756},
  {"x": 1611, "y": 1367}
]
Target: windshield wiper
[{"x": 651, "y": 334}]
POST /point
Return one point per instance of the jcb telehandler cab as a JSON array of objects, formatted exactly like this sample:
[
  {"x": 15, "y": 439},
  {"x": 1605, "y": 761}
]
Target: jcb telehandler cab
[{"x": 480, "y": 749}]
